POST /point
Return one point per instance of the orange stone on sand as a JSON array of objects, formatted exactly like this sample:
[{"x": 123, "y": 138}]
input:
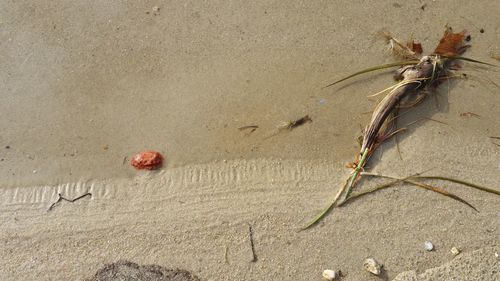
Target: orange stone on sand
[{"x": 149, "y": 160}]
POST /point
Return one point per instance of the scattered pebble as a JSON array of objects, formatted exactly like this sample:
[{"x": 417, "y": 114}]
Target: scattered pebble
[
  {"x": 497, "y": 255},
  {"x": 156, "y": 9},
  {"x": 455, "y": 251},
  {"x": 329, "y": 274},
  {"x": 372, "y": 266},
  {"x": 428, "y": 246},
  {"x": 149, "y": 160},
  {"x": 7, "y": 146},
  {"x": 34, "y": 171}
]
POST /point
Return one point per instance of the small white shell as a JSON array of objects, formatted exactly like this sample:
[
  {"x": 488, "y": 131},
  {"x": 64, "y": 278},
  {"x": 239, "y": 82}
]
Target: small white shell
[
  {"x": 371, "y": 265},
  {"x": 329, "y": 274},
  {"x": 428, "y": 246},
  {"x": 455, "y": 251}
]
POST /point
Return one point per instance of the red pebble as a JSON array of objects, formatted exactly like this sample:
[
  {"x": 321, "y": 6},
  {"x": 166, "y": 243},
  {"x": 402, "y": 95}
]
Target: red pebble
[{"x": 148, "y": 160}]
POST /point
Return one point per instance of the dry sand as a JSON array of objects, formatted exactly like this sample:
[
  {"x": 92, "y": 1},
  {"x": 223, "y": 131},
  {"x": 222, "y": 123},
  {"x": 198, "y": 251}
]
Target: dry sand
[{"x": 87, "y": 84}]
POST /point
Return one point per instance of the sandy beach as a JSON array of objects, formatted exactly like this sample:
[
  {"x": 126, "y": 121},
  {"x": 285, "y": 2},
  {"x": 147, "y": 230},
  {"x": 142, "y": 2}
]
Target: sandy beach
[{"x": 87, "y": 84}]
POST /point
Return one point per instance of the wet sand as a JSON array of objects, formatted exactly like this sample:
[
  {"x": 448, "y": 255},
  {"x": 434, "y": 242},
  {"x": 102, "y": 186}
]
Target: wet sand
[{"x": 88, "y": 85}]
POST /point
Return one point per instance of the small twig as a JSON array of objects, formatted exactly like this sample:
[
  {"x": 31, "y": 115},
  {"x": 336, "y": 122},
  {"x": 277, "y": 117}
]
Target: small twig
[
  {"x": 253, "y": 127},
  {"x": 290, "y": 125},
  {"x": 250, "y": 129},
  {"x": 300, "y": 122},
  {"x": 470, "y": 114},
  {"x": 61, "y": 198},
  {"x": 226, "y": 254},
  {"x": 252, "y": 246},
  {"x": 294, "y": 124},
  {"x": 124, "y": 160},
  {"x": 495, "y": 138}
]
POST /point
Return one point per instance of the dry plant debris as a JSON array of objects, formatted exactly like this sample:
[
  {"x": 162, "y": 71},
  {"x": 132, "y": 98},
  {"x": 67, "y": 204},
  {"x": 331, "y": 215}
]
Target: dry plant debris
[{"x": 417, "y": 76}]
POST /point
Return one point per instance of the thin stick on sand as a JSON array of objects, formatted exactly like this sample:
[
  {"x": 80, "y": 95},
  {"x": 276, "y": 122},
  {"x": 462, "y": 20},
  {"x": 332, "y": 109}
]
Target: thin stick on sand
[{"x": 61, "y": 198}]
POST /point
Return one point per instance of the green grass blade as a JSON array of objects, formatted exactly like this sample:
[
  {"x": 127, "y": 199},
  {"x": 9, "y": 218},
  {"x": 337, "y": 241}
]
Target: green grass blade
[
  {"x": 325, "y": 210},
  {"x": 482, "y": 188},
  {"x": 371, "y": 190},
  {"x": 441, "y": 191},
  {"x": 321, "y": 215},
  {"x": 375, "y": 68},
  {"x": 355, "y": 173},
  {"x": 348, "y": 186},
  {"x": 469, "y": 59},
  {"x": 416, "y": 183}
]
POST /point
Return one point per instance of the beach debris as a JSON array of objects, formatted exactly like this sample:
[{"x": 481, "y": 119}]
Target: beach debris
[
  {"x": 428, "y": 246},
  {"x": 495, "y": 138},
  {"x": 417, "y": 76},
  {"x": 497, "y": 255},
  {"x": 149, "y": 160},
  {"x": 451, "y": 44},
  {"x": 226, "y": 254},
  {"x": 373, "y": 266},
  {"x": 329, "y": 275},
  {"x": 155, "y": 9},
  {"x": 290, "y": 125},
  {"x": 61, "y": 198},
  {"x": 250, "y": 128},
  {"x": 470, "y": 114},
  {"x": 408, "y": 50},
  {"x": 455, "y": 251},
  {"x": 252, "y": 245}
]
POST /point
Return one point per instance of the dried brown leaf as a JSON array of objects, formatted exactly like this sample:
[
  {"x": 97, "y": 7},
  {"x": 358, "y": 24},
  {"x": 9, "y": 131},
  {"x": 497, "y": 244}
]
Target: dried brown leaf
[{"x": 451, "y": 44}]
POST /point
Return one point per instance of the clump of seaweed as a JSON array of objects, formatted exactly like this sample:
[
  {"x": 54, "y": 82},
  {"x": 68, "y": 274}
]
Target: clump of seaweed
[{"x": 416, "y": 77}]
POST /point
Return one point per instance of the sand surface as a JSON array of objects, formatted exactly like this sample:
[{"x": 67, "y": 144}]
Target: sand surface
[{"x": 88, "y": 84}]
